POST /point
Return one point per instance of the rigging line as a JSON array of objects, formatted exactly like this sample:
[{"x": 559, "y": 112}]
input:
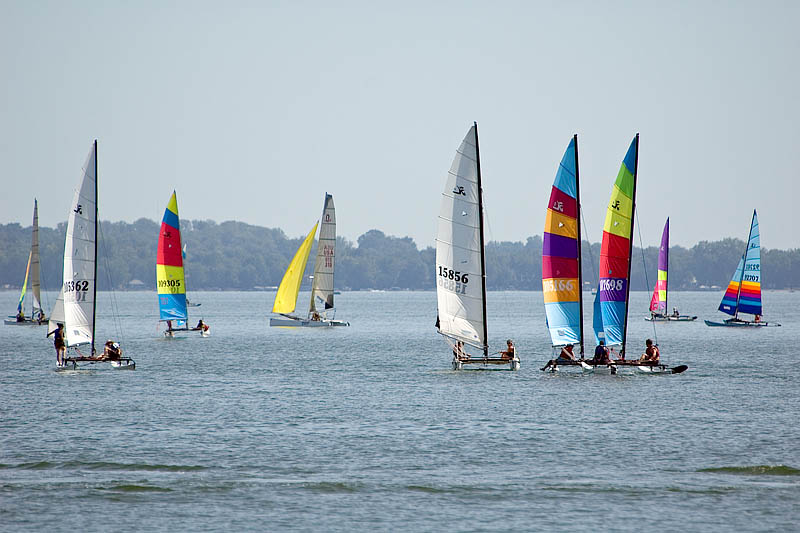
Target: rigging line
[
  {"x": 506, "y": 306},
  {"x": 646, "y": 278},
  {"x": 114, "y": 305},
  {"x": 591, "y": 254}
]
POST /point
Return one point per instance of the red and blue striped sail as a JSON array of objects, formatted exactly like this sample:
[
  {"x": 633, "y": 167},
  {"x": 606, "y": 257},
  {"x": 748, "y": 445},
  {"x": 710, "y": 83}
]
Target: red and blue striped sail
[
  {"x": 560, "y": 262},
  {"x": 658, "y": 303},
  {"x": 169, "y": 266},
  {"x": 615, "y": 250},
  {"x": 744, "y": 291}
]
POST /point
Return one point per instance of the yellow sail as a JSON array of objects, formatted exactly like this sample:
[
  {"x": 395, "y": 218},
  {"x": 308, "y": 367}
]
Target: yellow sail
[{"x": 286, "y": 298}]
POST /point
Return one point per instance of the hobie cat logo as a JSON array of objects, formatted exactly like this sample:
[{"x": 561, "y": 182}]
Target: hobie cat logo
[
  {"x": 558, "y": 206},
  {"x": 615, "y": 205},
  {"x": 79, "y": 209},
  {"x": 458, "y": 189}
]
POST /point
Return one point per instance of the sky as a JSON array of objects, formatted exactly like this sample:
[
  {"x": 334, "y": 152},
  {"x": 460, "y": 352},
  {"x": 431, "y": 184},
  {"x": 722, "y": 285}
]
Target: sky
[{"x": 251, "y": 111}]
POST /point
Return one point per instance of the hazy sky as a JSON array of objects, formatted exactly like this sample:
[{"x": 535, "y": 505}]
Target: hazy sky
[{"x": 253, "y": 110}]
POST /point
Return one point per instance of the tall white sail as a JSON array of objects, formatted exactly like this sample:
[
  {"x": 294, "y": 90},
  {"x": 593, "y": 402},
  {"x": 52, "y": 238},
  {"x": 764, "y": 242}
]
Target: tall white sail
[
  {"x": 57, "y": 313},
  {"x": 79, "y": 258},
  {"x": 322, "y": 286},
  {"x": 35, "y": 284},
  {"x": 459, "y": 249}
]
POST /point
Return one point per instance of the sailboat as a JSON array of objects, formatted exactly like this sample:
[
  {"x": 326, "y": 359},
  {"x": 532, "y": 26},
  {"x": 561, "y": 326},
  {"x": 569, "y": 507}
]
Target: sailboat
[
  {"x": 460, "y": 260},
  {"x": 170, "y": 280},
  {"x": 744, "y": 291},
  {"x": 658, "y": 302},
  {"x": 76, "y": 307},
  {"x": 613, "y": 291},
  {"x": 321, "y": 304},
  {"x": 36, "y": 317},
  {"x": 562, "y": 279}
]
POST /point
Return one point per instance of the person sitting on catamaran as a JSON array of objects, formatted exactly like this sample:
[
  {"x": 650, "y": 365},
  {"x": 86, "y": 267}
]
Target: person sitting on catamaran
[
  {"x": 601, "y": 355},
  {"x": 42, "y": 319},
  {"x": 651, "y": 353},
  {"x": 675, "y": 312},
  {"x": 201, "y": 326},
  {"x": 21, "y": 316},
  {"x": 111, "y": 351},
  {"x": 458, "y": 351},
  {"x": 757, "y": 319},
  {"x": 509, "y": 352},
  {"x": 565, "y": 356}
]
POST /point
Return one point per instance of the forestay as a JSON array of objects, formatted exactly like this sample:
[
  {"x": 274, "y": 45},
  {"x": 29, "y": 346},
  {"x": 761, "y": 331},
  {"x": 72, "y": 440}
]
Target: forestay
[
  {"x": 459, "y": 249},
  {"x": 322, "y": 286}
]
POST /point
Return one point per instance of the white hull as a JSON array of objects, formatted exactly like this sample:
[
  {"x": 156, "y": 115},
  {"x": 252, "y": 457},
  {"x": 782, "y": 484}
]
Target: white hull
[
  {"x": 305, "y": 323},
  {"x": 125, "y": 364},
  {"x": 681, "y": 318},
  {"x": 485, "y": 364}
]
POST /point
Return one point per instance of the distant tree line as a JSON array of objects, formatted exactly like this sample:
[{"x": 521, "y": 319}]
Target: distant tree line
[{"x": 238, "y": 256}]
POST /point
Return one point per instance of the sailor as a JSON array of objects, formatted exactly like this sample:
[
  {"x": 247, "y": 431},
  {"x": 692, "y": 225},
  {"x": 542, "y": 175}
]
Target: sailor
[
  {"x": 111, "y": 351},
  {"x": 510, "y": 351},
  {"x": 458, "y": 350},
  {"x": 565, "y": 355},
  {"x": 675, "y": 311},
  {"x": 21, "y": 316},
  {"x": 651, "y": 353},
  {"x": 601, "y": 354},
  {"x": 58, "y": 342}
]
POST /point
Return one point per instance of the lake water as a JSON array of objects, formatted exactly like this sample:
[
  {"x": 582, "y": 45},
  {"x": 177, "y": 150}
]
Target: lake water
[{"x": 368, "y": 428}]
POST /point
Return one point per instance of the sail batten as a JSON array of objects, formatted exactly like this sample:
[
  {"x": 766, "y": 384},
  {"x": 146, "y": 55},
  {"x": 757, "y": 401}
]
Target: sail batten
[
  {"x": 560, "y": 259},
  {"x": 170, "y": 276},
  {"x": 459, "y": 250}
]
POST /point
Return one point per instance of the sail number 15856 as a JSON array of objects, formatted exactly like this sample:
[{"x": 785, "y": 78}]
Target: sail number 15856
[{"x": 455, "y": 275}]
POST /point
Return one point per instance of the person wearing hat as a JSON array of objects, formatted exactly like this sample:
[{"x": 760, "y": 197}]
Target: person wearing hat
[
  {"x": 565, "y": 356},
  {"x": 111, "y": 351}
]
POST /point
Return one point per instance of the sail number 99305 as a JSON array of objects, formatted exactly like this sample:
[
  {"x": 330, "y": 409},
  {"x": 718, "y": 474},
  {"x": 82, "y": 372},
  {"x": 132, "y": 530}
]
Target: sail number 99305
[{"x": 172, "y": 286}]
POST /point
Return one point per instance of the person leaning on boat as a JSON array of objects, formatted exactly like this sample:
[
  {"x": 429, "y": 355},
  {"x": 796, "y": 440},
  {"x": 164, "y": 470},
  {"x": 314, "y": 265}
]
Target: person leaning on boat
[
  {"x": 58, "y": 342},
  {"x": 111, "y": 351},
  {"x": 601, "y": 354},
  {"x": 458, "y": 351},
  {"x": 565, "y": 356}
]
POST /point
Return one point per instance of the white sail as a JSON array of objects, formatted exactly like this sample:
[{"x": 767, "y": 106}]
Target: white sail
[
  {"x": 322, "y": 286},
  {"x": 57, "y": 313},
  {"x": 459, "y": 248},
  {"x": 35, "y": 284},
  {"x": 79, "y": 258}
]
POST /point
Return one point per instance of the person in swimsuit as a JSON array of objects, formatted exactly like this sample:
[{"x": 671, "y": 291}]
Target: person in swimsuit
[
  {"x": 510, "y": 351},
  {"x": 565, "y": 355},
  {"x": 651, "y": 353}
]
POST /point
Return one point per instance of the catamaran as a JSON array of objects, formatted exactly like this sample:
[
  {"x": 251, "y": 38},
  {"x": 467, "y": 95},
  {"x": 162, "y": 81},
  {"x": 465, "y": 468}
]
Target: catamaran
[
  {"x": 36, "y": 317},
  {"x": 658, "y": 302},
  {"x": 460, "y": 261},
  {"x": 172, "y": 303},
  {"x": 321, "y": 305},
  {"x": 744, "y": 291},
  {"x": 75, "y": 307},
  {"x": 610, "y": 321}
]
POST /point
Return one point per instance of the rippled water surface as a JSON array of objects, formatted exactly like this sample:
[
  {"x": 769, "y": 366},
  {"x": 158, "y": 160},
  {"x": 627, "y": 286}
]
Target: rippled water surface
[{"x": 367, "y": 427}]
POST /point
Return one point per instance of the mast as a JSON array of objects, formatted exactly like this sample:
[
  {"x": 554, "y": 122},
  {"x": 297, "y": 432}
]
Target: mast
[
  {"x": 94, "y": 281},
  {"x": 666, "y": 281},
  {"x": 630, "y": 248},
  {"x": 744, "y": 261},
  {"x": 580, "y": 258},
  {"x": 483, "y": 258}
]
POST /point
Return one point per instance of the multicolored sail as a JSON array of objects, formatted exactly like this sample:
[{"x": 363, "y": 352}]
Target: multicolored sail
[
  {"x": 560, "y": 260},
  {"x": 658, "y": 303},
  {"x": 744, "y": 291},
  {"x": 616, "y": 250},
  {"x": 169, "y": 266},
  {"x": 24, "y": 285}
]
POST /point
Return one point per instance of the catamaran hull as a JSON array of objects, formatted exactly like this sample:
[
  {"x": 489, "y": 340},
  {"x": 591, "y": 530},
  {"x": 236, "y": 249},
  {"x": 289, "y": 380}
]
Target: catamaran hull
[
  {"x": 486, "y": 364},
  {"x": 13, "y": 322},
  {"x": 70, "y": 364},
  {"x": 613, "y": 369},
  {"x": 305, "y": 323},
  {"x": 740, "y": 324},
  {"x": 682, "y": 318}
]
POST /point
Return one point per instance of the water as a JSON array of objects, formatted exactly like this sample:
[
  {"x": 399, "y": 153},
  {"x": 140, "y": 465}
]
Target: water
[{"x": 367, "y": 427}]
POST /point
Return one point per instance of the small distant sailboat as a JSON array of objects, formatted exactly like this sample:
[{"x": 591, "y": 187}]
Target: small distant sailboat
[
  {"x": 658, "y": 302},
  {"x": 170, "y": 279},
  {"x": 460, "y": 260},
  {"x": 321, "y": 304},
  {"x": 37, "y": 317},
  {"x": 744, "y": 291},
  {"x": 76, "y": 305}
]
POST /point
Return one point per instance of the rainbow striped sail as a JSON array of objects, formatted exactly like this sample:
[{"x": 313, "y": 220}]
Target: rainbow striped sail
[
  {"x": 744, "y": 291},
  {"x": 615, "y": 250},
  {"x": 658, "y": 303},
  {"x": 169, "y": 266},
  {"x": 560, "y": 258}
]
